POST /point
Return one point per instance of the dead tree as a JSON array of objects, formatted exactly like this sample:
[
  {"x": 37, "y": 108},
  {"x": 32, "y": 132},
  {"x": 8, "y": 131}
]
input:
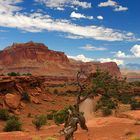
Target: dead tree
[
  {"x": 102, "y": 84},
  {"x": 75, "y": 117}
]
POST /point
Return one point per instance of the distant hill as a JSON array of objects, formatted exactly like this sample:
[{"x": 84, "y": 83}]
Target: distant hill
[{"x": 36, "y": 58}]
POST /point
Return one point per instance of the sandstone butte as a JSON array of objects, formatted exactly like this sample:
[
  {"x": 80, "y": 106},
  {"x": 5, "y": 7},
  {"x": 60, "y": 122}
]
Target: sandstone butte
[{"x": 37, "y": 59}]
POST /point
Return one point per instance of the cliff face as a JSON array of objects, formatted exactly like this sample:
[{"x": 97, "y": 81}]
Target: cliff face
[
  {"x": 37, "y": 59},
  {"x": 28, "y": 52}
]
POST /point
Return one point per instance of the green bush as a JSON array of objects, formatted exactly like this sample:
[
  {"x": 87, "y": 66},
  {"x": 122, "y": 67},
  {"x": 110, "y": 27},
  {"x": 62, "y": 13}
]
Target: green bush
[
  {"x": 105, "y": 102},
  {"x": 60, "y": 116},
  {"x": 135, "y": 105},
  {"x": 4, "y": 114},
  {"x": 39, "y": 121},
  {"x": 14, "y": 74},
  {"x": 125, "y": 98},
  {"x": 27, "y": 74},
  {"x": 13, "y": 124},
  {"x": 26, "y": 97},
  {"x": 13, "y": 117},
  {"x": 50, "y": 116},
  {"x": 106, "y": 111}
]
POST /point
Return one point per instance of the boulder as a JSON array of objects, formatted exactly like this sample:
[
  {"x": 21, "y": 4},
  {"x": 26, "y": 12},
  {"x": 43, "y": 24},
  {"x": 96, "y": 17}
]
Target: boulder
[{"x": 12, "y": 100}]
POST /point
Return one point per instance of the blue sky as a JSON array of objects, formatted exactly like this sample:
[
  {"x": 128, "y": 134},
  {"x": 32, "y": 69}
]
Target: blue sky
[{"x": 87, "y": 30}]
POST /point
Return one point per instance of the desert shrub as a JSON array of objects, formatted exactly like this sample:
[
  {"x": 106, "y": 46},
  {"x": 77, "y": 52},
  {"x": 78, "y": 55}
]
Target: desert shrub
[
  {"x": 50, "y": 116},
  {"x": 26, "y": 97},
  {"x": 135, "y": 105},
  {"x": 60, "y": 116},
  {"x": 27, "y": 74},
  {"x": 106, "y": 111},
  {"x": 13, "y": 117},
  {"x": 39, "y": 121},
  {"x": 13, "y": 124},
  {"x": 14, "y": 74},
  {"x": 4, "y": 114},
  {"x": 125, "y": 98},
  {"x": 105, "y": 102}
]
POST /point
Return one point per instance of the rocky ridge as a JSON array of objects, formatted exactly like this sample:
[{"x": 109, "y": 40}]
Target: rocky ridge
[{"x": 37, "y": 59}]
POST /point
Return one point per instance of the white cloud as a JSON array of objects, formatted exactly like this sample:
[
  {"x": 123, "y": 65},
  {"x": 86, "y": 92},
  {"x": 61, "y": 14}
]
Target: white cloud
[
  {"x": 74, "y": 37},
  {"x": 130, "y": 34},
  {"x": 135, "y": 50},
  {"x": 64, "y": 3},
  {"x": 8, "y": 6},
  {"x": 60, "y": 8},
  {"x": 37, "y": 22},
  {"x": 120, "y": 54},
  {"x": 100, "y": 17},
  {"x": 89, "y": 47},
  {"x": 110, "y": 3},
  {"x": 79, "y": 15},
  {"x": 118, "y": 61},
  {"x": 115, "y": 5},
  {"x": 81, "y": 57},
  {"x": 120, "y": 8}
]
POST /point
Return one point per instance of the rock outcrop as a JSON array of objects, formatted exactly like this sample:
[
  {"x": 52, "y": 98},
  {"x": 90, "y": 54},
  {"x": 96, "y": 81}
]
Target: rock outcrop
[
  {"x": 12, "y": 100},
  {"x": 37, "y": 59},
  {"x": 30, "y": 52},
  {"x": 16, "y": 91}
]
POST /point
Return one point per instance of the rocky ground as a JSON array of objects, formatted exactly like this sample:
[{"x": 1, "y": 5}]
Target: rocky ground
[{"x": 43, "y": 99}]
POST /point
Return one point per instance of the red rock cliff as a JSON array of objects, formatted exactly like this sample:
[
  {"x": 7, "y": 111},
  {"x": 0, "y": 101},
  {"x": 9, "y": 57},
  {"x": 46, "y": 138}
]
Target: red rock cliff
[
  {"x": 20, "y": 53},
  {"x": 37, "y": 59}
]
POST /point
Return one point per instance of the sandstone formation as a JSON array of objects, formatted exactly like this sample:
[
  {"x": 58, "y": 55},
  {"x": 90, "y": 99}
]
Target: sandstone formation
[
  {"x": 14, "y": 91},
  {"x": 37, "y": 59},
  {"x": 12, "y": 100}
]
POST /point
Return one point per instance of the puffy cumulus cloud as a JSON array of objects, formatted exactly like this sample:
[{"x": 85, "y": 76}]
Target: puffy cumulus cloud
[
  {"x": 37, "y": 22},
  {"x": 89, "y": 47},
  {"x": 100, "y": 17},
  {"x": 135, "y": 50},
  {"x": 81, "y": 57},
  {"x": 120, "y": 54},
  {"x": 117, "y": 61},
  {"x": 9, "y": 6},
  {"x": 60, "y": 4},
  {"x": 79, "y": 15},
  {"x": 115, "y": 5}
]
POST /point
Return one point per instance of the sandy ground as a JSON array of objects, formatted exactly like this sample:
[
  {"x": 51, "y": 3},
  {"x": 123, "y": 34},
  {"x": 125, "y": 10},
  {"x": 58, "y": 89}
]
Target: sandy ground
[{"x": 103, "y": 128}]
